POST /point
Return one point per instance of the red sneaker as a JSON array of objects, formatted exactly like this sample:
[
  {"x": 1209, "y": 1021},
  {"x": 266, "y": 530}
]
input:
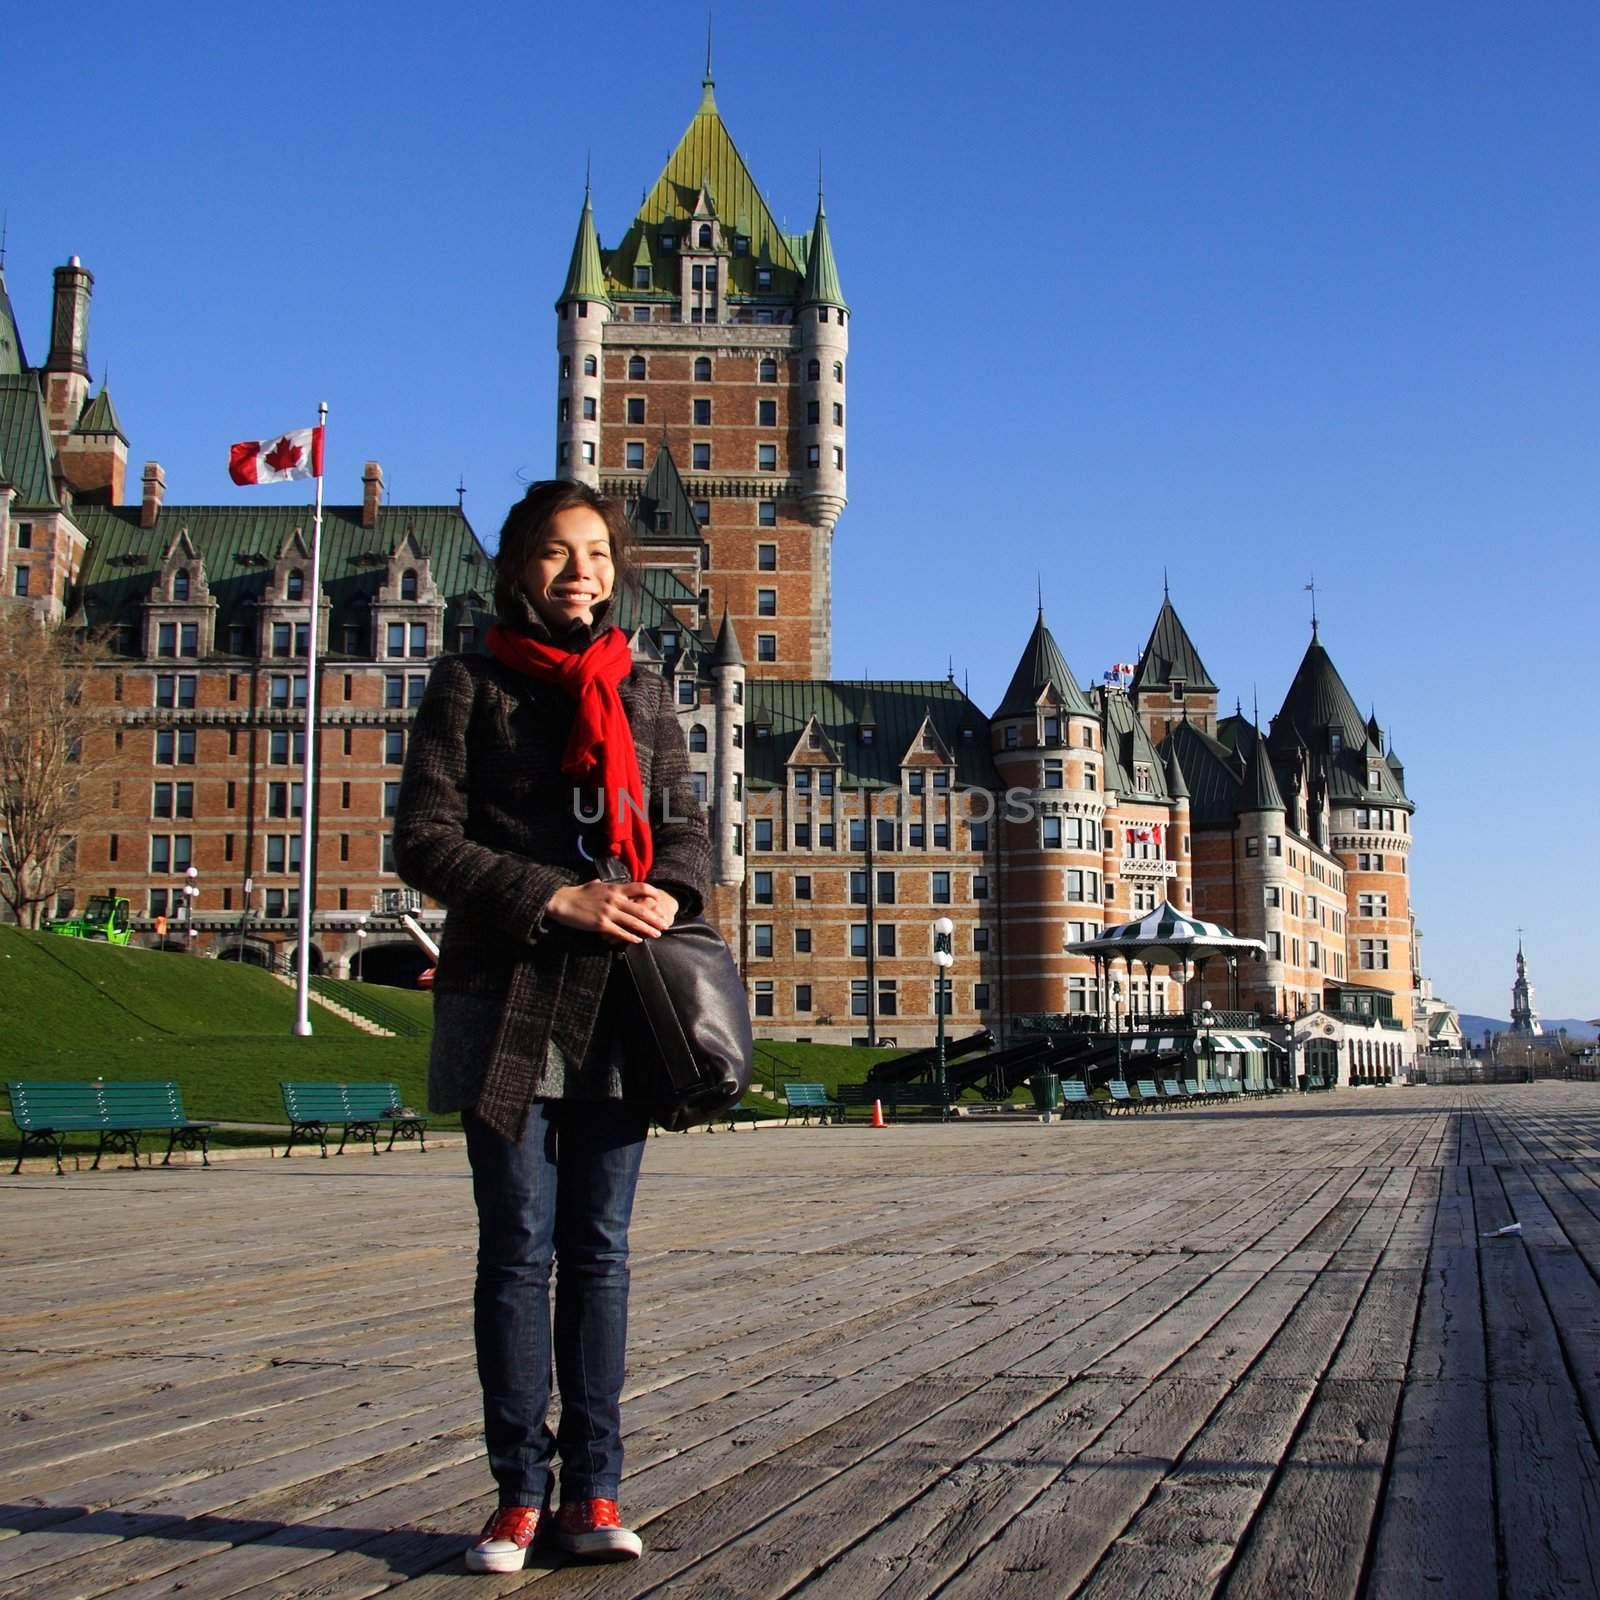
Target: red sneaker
[
  {"x": 594, "y": 1528},
  {"x": 503, "y": 1544}
]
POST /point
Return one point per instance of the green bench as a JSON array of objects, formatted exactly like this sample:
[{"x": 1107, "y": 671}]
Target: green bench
[
  {"x": 1151, "y": 1096},
  {"x": 363, "y": 1109},
  {"x": 1076, "y": 1100},
  {"x": 805, "y": 1098},
  {"x": 1121, "y": 1101},
  {"x": 121, "y": 1113},
  {"x": 911, "y": 1096}
]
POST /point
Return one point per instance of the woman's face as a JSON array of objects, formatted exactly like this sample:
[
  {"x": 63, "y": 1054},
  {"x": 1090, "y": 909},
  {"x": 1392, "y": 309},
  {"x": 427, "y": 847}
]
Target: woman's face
[{"x": 571, "y": 570}]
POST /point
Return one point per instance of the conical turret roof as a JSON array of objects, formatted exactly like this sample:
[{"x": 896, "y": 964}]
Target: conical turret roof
[
  {"x": 1170, "y": 656},
  {"x": 1176, "y": 787},
  {"x": 586, "y": 280},
  {"x": 12, "y": 361},
  {"x": 1318, "y": 701},
  {"x": 1259, "y": 791},
  {"x": 1042, "y": 664},
  {"x": 822, "y": 272},
  {"x": 726, "y": 652}
]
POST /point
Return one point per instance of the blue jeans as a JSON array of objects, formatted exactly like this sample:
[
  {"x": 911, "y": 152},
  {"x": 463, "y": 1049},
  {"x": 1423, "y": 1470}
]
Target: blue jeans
[{"x": 563, "y": 1194}]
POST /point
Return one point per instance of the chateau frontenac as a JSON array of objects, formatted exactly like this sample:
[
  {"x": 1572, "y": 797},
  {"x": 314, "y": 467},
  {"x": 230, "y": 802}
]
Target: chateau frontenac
[{"x": 701, "y": 369}]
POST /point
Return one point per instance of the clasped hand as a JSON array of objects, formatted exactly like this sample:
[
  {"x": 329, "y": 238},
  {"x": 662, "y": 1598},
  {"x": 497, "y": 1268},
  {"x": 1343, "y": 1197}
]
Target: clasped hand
[{"x": 621, "y": 913}]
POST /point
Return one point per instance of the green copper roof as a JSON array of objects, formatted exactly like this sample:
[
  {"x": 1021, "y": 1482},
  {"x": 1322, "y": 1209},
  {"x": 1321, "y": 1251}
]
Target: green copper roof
[
  {"x": 1176, "y": 787},
  {"x": 1210, "y": 773},
  {"x": 783, "y": 707},
  {"x": 1129, "y": 747},
  {"x": 1259, "y": 790},
  {"x": 238, "y": 545},
  {"x": 100, "y": 416},
  {"x": 1042, "y": 664},
  {"x": 822, "y": 273},
  {"x": 12, "y": 361},
  {"x": 706, "y": 157},
  {"x": 1170, "y": 656},
  {"x": 585, "y": 278},
  {"x": 1318, "y": 700},
  {"x": 727, "y": 652},
  {"x": 26, "y": 457},
  {"x": 665, "y": 513}
]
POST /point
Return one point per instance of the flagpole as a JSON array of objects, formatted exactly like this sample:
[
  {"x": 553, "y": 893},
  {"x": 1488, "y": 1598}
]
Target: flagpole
[{"x": 308, "y": 770}]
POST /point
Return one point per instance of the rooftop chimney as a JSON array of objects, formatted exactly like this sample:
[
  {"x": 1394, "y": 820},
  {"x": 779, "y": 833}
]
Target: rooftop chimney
[
  {"x": 69, "y": 321},
  {"x": 155, "y": 490},
  {"x": 371, "y": 494}
]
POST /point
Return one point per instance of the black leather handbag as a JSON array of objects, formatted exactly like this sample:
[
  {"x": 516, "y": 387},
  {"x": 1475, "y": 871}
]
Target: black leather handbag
[{"x": 690, "y": 1018}]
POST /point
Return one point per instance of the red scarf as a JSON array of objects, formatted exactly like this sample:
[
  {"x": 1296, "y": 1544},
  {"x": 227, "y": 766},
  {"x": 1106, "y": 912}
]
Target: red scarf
[{"x": 600, "y": 752}]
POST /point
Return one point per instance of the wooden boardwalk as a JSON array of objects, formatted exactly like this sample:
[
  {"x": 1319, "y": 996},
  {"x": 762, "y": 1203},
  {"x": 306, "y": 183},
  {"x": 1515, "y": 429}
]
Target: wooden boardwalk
[{"x": 1254, "y": 1351}]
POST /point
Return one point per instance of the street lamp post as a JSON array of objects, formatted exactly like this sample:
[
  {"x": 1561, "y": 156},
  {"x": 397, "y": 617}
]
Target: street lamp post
[
  {"x": 191, "y": 891},
  {"x": 1116, "y": 1021},
  {"x": 943, "y": 959},
  {"x": 361, "y": 946}
]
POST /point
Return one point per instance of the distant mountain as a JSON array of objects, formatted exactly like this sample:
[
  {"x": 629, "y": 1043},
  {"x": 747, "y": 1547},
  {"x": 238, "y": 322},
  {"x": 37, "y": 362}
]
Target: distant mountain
[{"x": 1475, "y": 1026}]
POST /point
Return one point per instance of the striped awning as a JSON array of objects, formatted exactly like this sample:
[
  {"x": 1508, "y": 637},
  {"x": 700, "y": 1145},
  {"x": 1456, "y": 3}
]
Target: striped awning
[
  {"x": 1239, "y": 1044},
  {"x": 1166, "y": 937}
]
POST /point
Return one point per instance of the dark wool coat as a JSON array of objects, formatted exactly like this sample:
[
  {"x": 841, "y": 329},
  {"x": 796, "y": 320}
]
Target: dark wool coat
[{"x": 486, "y": 826}]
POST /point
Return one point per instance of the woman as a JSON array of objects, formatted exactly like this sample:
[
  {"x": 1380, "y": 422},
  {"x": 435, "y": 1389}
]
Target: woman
[{"x": 523, "y": 767}]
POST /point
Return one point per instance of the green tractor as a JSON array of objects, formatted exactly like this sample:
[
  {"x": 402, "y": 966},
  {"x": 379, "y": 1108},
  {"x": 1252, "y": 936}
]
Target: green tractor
[{"x": 104, "y": 919}]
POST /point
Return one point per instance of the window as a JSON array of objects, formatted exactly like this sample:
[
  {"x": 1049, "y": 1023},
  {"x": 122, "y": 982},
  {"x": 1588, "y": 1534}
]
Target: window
[
  {"x": 590, "y": 409},
  {"x": 813, "y": 412},
  {"x": 858, "y": 888},
  {"x": 636, "y": 368},
  {"x": 813, "y": 455},
  {"x": 636, "y": 408},
  {"x": 1274, "y": 895},
  {"x": 886, "y": 939},
  {"x": 802, "y": 997},
  {"x": 858, "y": 938},
  {"x": 977, "y": 835},
  {"x": 394, "y": 747},
  {"x": 1372, "y": 905},
  {"x": 914, "y": 781},
  {"x": 980, "y": 886},
  {"x": 825, "y": 782},
  {"x": 766, "y": 602},
  {"x": 763, "y": 938},
  {"x": 941, "y": 888},
  {"x": 590, "y": 366},
  {"x": 838, "y": 372},
  {"x": 887, "y": 834},
  {"x": 686, "y": 692},
  {"x": 980, "y": 940},
  {"x": 1274, "y": 844},
  {"x": 166, "y": 632},
  {"x": 1274, "y": 945},
  {"x": 768, "y": 370},
  {"x": 766, "y": 647},
  {"x": 1050, "y": 832},
  {"x": 633, "y": 455},
  {"x": 700, "y": 457},
  {"x": 1054, "y": 774},
  {"x": 394, "y": 690},
  {"x": 1252, "y": 845},
  {"x": 762, "y": 835},
  {"x": 802, "y": 886},
  {"x": 980, "y": 997},
  {"x": 697, "y": 739},
  {"x": 858, "y": 997},
  {"x": 763, "y": 1005},
  {"x": 697, "y": 784},
  {"x": 702, "y": 369},
  {"x": 888, "y": 997},
  {"x": 838, "y": 415},
  {"x": 24, "y": 536},
  {"x": 283, "y": 852},
  {"x": 838, "y": 458},
  {"x": 886, "y": 888},
  {"x": 702, "y": 414},
  {"x": 173, "y": 800},
  {"x": 767, "y": 457},
  {"x": 825, "y": 833},
  {"x": 767, "y": 413},
  {"x": 1373, "y": 955}
]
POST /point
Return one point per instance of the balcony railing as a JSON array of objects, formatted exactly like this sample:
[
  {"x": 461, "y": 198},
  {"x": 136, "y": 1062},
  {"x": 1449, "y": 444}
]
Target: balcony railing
[{"x": 1147, "y": 867}]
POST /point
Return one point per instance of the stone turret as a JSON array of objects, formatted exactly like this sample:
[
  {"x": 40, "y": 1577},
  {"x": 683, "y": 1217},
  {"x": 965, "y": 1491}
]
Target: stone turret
[
  {"x": 726, "y": 664},
  {"x": 583, "y": 309},
  {"x": 67, "y": 367}
]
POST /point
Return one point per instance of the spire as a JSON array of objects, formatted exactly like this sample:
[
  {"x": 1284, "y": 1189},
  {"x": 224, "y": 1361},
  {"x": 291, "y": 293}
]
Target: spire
[
  {"x": 708, "y": 99},
  {"x": 822, "y": 271},
  {"x": 1042, "y": 666},
  {"x": 100, "y": 416},
  {"x": 12, "y": 361},
  {"x": 1259, "y": 789},
  {"x": 726, "y": 652},
  {"x": 1169, "y": 655},
  {"x": 1318, "y": 700},
  {"x": 1176, "y": 785},
  {"x": 585, "y": 279}
]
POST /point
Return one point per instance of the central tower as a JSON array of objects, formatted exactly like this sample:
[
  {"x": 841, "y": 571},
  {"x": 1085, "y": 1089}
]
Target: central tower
[{"x": 708, "y": 331}]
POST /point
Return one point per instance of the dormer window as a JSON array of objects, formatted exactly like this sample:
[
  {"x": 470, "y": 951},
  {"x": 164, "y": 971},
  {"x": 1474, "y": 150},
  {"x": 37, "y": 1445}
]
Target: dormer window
[
  {"x": 741, "y": 244},
  {"x": 814, "y": 739},
  {"x": 1177, "y": 688},
  {"x": 1335, "y": 742},
  {"x": 667, "y": 241},
  {"x": 1052, "y": 730},
  {"x": 641, "y": 277},
  {"x": 704, "y": 236},
  {"x": 929, "y": 740},
  {"x": 763, "y": 277},
  {"x": 408, "y": 585},
  {"x": 294, "y": 587},
  {"x": 1141, "y": 779},
  {"x": 866, "y": 735},
  {"x": 180, "y": 584}
]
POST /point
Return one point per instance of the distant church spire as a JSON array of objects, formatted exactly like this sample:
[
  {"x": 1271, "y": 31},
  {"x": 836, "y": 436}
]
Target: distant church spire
[{"x": 1524, "y": 1019}]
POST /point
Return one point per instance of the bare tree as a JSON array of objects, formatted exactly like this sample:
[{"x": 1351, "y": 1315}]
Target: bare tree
[{"x": 55, "y": 756}]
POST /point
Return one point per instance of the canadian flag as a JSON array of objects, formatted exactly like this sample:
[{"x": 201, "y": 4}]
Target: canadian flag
[{"x": 278, "y": 457}]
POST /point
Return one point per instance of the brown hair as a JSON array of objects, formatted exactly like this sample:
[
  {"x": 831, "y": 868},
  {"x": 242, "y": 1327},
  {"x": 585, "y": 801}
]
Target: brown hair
[{"x": 525, "y": 526}]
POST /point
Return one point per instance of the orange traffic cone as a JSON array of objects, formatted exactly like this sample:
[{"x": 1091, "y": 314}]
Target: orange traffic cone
[{"x": 877, "y": 1115}]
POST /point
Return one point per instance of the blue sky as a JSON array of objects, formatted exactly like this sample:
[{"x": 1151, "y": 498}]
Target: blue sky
[{"x": 1242, "y": 291}]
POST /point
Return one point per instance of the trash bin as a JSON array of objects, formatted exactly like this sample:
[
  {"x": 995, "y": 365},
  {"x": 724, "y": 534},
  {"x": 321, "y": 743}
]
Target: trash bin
[{"x": 1046, "y": 1088}]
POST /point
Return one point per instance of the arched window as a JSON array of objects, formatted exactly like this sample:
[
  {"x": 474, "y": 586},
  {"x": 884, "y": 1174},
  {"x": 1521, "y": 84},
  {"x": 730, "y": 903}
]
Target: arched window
[
  {"x": 295, "y": 586},
  {"x": 813, "y": 369},
  {"x": 697, "y": 740},
  {"x": 408, "y": 585},
  {"x": 769, "y": 370},
  {"x": 705, "y": 235},
  {"x": 838, "y": 372},
  {"x": 635, "y": 366},
  {"x": 180, "y": 584},
  {"x": 590, "y": 368},
  {"x": 702, "y": 369}
]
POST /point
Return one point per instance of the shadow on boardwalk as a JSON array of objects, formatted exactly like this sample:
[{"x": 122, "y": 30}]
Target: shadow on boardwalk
[{"x": 1249, "y": 1351}]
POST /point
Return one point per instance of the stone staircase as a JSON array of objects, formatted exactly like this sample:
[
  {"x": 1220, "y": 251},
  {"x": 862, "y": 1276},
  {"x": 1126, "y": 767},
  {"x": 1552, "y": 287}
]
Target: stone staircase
[{"x": 363, "y": 1023}]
